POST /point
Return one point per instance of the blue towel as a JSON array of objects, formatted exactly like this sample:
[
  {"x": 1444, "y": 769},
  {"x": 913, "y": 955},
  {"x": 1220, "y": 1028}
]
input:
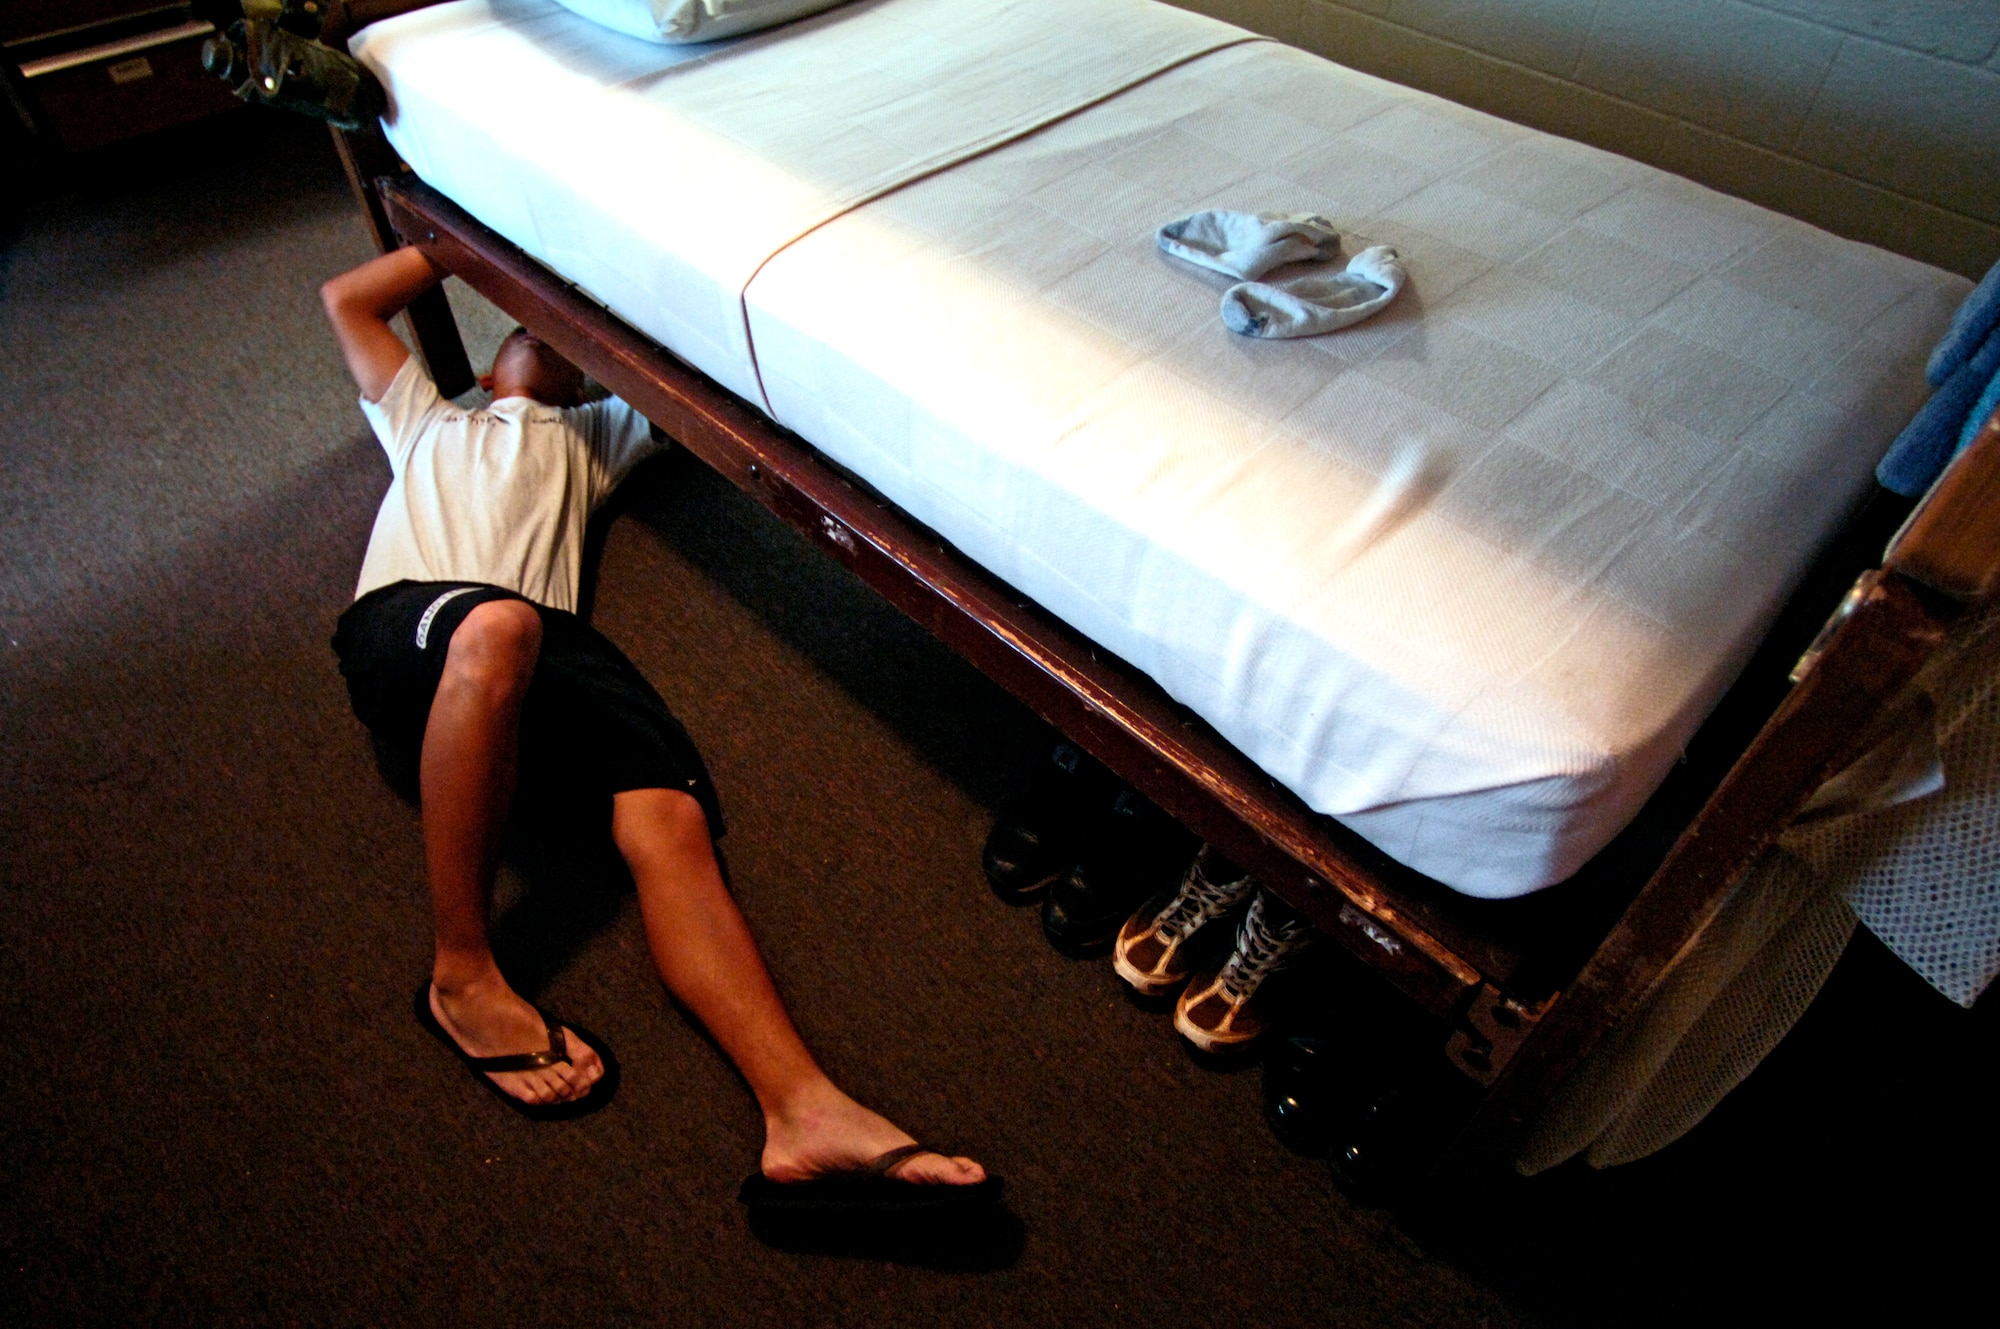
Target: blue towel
[
  {"x": 1970, "y": 326},
  {"x": 1929, "y": 442},
  {"x": 1982, "y": 411}
]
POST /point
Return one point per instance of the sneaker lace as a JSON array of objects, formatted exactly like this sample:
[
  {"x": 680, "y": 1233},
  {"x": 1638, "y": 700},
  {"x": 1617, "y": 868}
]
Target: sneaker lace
[
  {"x": 1262, "y": 948},
  {"x": 1198, "y": 901}
]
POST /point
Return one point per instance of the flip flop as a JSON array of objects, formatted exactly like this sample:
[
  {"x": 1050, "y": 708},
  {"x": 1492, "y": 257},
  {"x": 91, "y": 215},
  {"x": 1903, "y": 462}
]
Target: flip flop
[
  {"x": 866, "y": 1191},
  {"x": 600, "y": 1093}
]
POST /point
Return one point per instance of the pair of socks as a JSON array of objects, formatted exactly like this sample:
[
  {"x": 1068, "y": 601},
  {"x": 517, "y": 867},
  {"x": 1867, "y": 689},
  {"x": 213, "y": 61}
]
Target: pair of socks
[{"x": 1248, "y": 245}]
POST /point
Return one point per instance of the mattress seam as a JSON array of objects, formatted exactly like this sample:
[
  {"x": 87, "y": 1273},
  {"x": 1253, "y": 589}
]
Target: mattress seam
[{"x": 970, "y": 153}]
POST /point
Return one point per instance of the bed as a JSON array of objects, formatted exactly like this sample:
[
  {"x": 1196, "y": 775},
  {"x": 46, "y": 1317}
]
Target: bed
[{"x": 1421, "y": 612}]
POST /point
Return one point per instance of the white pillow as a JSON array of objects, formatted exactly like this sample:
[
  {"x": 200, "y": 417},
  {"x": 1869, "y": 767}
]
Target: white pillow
[{"x": 676, "y": 21}]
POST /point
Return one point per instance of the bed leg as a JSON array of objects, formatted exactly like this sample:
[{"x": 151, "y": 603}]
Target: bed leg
[
  {"x": 435, "y": 332},
  {"x": 429, "y": 321}
]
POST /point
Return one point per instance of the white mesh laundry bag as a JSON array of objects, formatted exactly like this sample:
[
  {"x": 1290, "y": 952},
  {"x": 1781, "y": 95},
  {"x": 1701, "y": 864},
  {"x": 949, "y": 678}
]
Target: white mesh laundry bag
[
  {"x": 1924, "y": 873},
  {"x": 1704, "y": 1027},
  {"x": 1907, "y": 838}
]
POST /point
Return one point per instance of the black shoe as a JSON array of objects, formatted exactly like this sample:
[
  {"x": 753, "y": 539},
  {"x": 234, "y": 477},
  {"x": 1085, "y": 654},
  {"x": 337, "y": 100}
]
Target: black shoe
[
  {"x": 1374, "y": 1153},
  {"x": 1323, "y": 1101},
  {"x": 1303, "y": 1102},
  {"x": 1135, "y": 851},
  {"x": 1384, "y": 1113},
  {"x": 1037, "y": 833}
]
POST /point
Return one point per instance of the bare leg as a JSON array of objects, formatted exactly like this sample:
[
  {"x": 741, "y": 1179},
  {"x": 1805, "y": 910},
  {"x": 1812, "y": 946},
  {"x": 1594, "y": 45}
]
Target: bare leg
[
  {"x": 708, "y": 958},
  {"x": 471, "y": 751}
]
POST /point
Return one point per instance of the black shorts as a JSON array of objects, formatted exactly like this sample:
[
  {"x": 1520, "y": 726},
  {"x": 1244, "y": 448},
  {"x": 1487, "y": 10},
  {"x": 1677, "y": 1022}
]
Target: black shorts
[{"x": 591, "y": 724}]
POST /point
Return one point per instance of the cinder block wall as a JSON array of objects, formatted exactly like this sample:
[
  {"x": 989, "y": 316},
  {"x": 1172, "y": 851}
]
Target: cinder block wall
[{"x": 1877, "y": 119}]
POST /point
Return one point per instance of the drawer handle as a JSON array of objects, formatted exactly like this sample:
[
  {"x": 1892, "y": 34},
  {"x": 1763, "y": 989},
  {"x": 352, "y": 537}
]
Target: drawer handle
[{"x": 90, "y": 55}]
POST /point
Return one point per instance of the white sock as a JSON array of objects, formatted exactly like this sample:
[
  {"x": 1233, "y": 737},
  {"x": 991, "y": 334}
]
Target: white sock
[
  {"x": 1240, "y": 244},
  {"x": 1307, "y": 306}
]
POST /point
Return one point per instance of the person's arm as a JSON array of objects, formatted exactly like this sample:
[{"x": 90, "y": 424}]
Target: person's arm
[{"x": 360, "y": 304}]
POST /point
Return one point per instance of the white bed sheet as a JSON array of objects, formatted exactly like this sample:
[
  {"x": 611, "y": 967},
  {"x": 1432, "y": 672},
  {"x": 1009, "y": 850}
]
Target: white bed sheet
[
  {"x": 1467, "y": 576},
  {"x": 659, "y": 178}
]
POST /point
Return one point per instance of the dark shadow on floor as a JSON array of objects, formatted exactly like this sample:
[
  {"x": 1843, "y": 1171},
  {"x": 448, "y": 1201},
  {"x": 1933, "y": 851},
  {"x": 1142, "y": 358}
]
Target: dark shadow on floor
[
  {"x": 973, "y": 1244},
  {"x": 1845, "y": 1178}
]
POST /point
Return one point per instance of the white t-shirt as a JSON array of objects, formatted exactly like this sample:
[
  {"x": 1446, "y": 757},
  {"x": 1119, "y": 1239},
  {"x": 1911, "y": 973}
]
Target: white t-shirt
[{"x": 500, "y": 495}]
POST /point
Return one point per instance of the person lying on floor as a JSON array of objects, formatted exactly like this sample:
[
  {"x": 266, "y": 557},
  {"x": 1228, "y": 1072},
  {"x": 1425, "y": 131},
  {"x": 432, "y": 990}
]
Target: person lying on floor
[{"x": 463, "y": 647}]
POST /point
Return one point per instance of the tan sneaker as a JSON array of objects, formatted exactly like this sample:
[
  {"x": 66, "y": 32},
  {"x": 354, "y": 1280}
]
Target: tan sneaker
[
  {"x": 1218, "y": 1012},
  {"x": 1152, "y": 952}
]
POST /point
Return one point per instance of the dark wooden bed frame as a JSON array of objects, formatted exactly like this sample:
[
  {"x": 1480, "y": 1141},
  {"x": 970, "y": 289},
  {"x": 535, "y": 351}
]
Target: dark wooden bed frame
[{"x": 1520, "y": 991}]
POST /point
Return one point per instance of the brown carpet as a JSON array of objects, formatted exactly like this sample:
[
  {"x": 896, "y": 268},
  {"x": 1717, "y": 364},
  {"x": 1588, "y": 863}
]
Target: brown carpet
[{"x": 212, "y": 914}]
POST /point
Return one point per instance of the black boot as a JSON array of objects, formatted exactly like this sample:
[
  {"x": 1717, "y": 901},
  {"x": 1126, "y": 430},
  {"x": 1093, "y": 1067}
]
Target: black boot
[
  {"x": 1037, "y": 833},
  {"x": 1134, "y": 851}
]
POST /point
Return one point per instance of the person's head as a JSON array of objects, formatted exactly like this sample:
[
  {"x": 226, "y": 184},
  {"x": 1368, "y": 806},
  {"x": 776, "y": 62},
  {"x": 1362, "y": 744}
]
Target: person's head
[{"x": 526, "y": 366}]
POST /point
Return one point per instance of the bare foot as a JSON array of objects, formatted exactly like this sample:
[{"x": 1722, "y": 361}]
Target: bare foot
[
  {"x": 488, "y": 1019},
  {"x": 823, "y": 1130}
]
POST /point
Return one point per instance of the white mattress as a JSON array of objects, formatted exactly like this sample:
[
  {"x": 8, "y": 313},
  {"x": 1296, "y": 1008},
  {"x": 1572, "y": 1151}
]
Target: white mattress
[{"x": 1465, "y": 577}]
